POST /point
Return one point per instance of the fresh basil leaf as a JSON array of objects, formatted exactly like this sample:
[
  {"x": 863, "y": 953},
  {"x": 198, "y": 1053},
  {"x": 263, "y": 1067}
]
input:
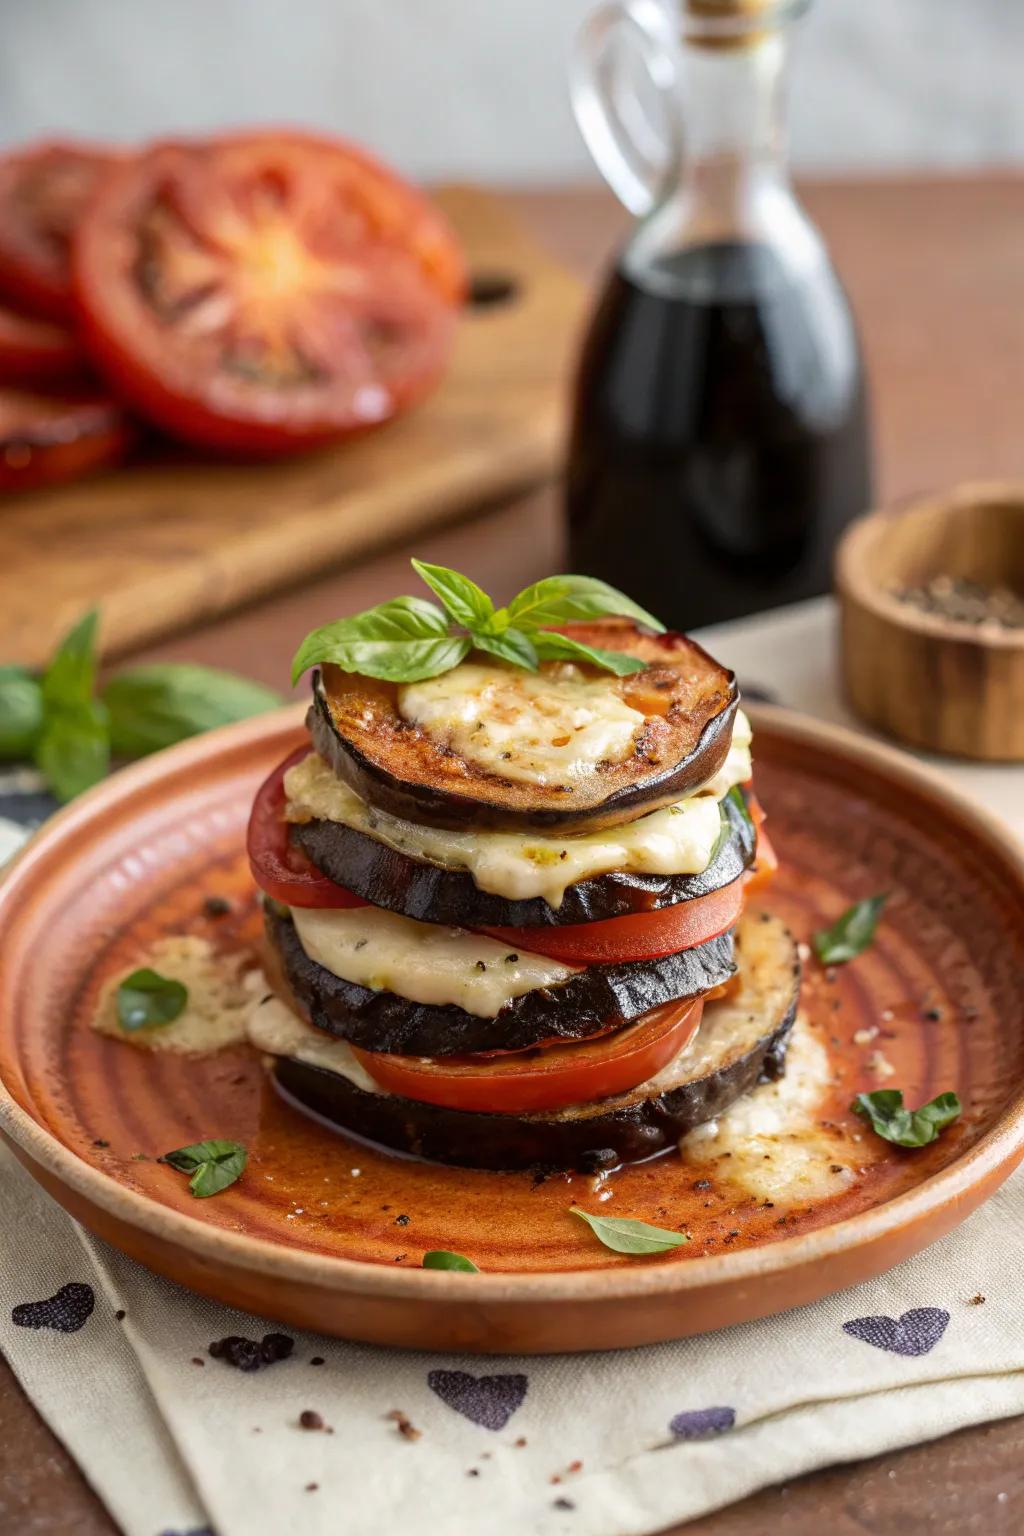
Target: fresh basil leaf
[
  {"x": 399, "y": 641},
  {"x": 513, "y": 646},
  {"x": 552, "y": 647},
  {"x": 70, "y": 678},
  {"x": 214, "y": 1165},
  {"x": 852, "y": 933},
  {"x": 439, "y": 1258},
  {"x": 558, "y": 599},
  {"x": 21, "y": 713},
  {"x": 145, "y": 998},
  {"x": 73, "y": 751},
  {"x": 467, "y": 603},
  {"x": 885, "y": 1111},
  {"x": 154, "y": 707},
  {"x": 625, "y": 1235}
]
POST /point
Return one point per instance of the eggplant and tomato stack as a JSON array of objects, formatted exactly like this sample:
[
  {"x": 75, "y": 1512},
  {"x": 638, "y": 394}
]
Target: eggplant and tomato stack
[{"x": 505, "y": 907}]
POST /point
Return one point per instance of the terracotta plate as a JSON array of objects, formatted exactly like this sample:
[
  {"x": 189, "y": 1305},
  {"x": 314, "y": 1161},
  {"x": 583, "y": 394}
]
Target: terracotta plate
[{"x": 327, "y": 1234}]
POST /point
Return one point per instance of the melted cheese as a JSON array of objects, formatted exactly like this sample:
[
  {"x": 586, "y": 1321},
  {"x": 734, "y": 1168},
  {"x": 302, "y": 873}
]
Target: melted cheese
[
  {"x": 774, "y": 1142},
  {"x": 677, "y": 840},
  {"x": 737, "y": 768},
  {"x": 275, "y": 1029},
  {"x": 423, "y": 962},
  {"x": 220, "y": 992},
  {"x": 554, "y": 727}
]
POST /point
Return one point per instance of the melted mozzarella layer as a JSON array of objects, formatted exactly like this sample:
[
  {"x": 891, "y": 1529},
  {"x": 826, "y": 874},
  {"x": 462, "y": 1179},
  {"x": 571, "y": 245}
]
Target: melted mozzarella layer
[
  {"x": 423, "y": 962},
  {"x": 275, "y": 1029},
  {"x": 545, "y": 728},
  {"x": 677, "y": 840}
]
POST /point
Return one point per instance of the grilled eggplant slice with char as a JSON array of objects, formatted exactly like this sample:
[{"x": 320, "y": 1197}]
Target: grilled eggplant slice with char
[
  {"x": 741, "y": 1042},
  {"x": 685, "y": 704}
]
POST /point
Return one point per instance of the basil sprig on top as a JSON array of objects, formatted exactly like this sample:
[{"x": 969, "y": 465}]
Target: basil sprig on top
[{"x": 410, "y": 638}]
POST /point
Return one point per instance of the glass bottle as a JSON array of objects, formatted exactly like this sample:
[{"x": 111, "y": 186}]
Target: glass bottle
[{"x": 720, "y": 437}]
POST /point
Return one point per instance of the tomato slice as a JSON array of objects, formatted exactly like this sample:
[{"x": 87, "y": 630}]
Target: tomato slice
[
  {"x": 766, "y": 861},
  {"x": 265, "y": 293},
  {"x": 37, "y": 352},
  {"x": 47, "y": 438},
  {"x": 43, "y": 190},
  {"x": 553, "y": 1078},
  {"x": 643, "y": 936},
  {"x": 278, "y": 867}
]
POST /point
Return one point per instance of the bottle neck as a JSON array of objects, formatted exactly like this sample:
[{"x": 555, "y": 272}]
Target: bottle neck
[{"x": 733, "y": 100}]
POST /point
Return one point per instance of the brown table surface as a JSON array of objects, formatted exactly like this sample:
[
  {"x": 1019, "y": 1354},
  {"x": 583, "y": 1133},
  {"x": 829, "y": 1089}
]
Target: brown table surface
[{"x": 936, "y": 272}]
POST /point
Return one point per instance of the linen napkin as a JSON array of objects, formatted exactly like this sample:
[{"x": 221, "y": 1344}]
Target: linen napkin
[{"x": 340, "y": 1436}]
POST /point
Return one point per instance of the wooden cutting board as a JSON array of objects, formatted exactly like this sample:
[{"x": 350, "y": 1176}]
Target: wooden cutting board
[{"x": 159, "y": 546}]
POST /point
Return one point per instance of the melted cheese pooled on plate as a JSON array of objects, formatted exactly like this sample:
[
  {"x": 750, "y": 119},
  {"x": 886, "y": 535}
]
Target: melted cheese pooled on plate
[
  {"x": 542, "y": 728},
  {"x": 423, "y": 962},
  {"x": 273, "y": 1028},
  {"x": 678, "y": 840},
  {"x": 220, "y": 992}
]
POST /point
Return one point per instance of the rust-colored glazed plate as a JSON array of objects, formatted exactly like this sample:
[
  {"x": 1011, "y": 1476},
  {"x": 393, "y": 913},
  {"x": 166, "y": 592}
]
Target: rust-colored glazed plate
[{"x": 324, "y": 1233}]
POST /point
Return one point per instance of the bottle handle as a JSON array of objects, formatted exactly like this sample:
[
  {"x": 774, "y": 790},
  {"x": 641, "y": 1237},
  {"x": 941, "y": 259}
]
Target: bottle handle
[{"x": 636, "y": 156}]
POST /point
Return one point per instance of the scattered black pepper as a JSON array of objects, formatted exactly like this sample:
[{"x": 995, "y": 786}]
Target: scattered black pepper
[
  {"x": 702, "y": 1184},
  {"x": 511, "y": 959},
  {"x": 248, "y": 1355},
  {"x": 120, "y": 1314},
  {"x": 216, "y": 906},
  {"x": 360, "y": 944},
  {"x": 402, "y": 1221},
  {"x": 481, "y": 965},
  {"x": 310, "y": 1419},
  {"x": 933, "y": 1015},
  {"x": 473, "y": 1472},
  {"x": 317, "y": 1360},
  {"x": 563, "y": 1504},
  {"x": 99, "y": 1142}
]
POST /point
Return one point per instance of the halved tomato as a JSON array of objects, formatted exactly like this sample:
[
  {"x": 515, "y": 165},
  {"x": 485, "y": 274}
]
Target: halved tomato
[
  {"x": 37, "y": 351},
  {"x": 46, "y": 438},
  {"x": 43, "y": 190},
  {"x": 278, "y": 867},
  {"x": 644, "y": 936},
  {"x": 264, "y": 293},
  {"x": 527, "y": 1081}
]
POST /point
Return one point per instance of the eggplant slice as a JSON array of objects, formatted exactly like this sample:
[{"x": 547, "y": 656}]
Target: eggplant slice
[
  {"x": 688, "y": 700},
  {"x": 433, "y": 894},
  {"x": 741, "y": 1042},
  {"x": 597, "y": 998}
]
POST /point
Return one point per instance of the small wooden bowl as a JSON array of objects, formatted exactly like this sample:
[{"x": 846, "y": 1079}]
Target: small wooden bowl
[{"x": 943, "y": 685}]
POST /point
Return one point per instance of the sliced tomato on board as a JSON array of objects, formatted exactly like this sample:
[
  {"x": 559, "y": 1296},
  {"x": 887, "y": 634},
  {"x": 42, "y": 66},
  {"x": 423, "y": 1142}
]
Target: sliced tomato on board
[
  {"x": 43, "y": 190},
  {"x": 278, "y": 867},
  {"x": 523, "y": 1082},
  {"x": 37, "y": 351},
  {"x": 642, "y": 936},
  {"x": 48, "y": 438},
  {"x": 265, "y": 293}
]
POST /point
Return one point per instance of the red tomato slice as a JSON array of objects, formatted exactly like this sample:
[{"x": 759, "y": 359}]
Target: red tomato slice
[
  {"x": 643, "y": 936},
  {"x": 46, "y": 438},
  {"x": 278, "y": 867},
  {"x": 264, "y": 293},
  {"x": 37, "y": 352},
  {"x": 766, "y": 861},
  {"x": 560, "y": 1075},
  {"x": 43, "y": 190}
]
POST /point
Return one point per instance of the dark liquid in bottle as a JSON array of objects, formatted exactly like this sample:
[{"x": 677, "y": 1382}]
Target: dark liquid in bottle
[{"x": 720, "y": 441}]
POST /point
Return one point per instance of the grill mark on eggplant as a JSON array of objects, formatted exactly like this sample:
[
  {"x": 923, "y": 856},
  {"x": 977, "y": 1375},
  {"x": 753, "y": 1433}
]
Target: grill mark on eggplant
[
  {"x": 432, "y": 894},
  {"x": 488, "y": 801},
  {"x": 597, "y": 998},
  {"x": 629, "y": 1129}
]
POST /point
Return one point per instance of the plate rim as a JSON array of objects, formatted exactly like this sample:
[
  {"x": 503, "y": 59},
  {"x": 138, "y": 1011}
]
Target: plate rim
[{"x": 992, "y": 1157}]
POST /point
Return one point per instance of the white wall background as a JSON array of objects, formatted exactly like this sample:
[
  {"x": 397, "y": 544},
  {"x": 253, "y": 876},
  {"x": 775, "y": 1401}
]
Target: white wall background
[{"x": 476, "y": 87}]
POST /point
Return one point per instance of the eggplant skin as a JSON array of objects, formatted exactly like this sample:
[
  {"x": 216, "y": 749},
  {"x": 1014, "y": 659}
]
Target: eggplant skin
[
  {"x": 432, "y": 894},
  {"x": 595, "y": 999},
  {"x": 356, "y": 728},
  {"x": 625, "y": 1130}
]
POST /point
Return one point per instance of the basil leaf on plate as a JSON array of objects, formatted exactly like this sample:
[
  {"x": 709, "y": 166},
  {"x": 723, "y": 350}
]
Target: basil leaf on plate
[
  {"x": 513, "y": 645},
  {"x": 626, "y": 1235},
  {"x": 73, "y": 750},
  {"x": 559, "y": 599},
  {"x": 146, "y": 998},
  {"x": 463, "y": 600},
  {"x": 885, "y": 1112},
  {"x": 21, "y": 713},
  {"x": 852, "y": 933},
  {"x": 553, "y": 647},
  {"x": 399, "y": 641},
  {"x": 154, "y": 707},
  {"x": 214, "y": 1165},
  {"x": 439, "y": 1258}
]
